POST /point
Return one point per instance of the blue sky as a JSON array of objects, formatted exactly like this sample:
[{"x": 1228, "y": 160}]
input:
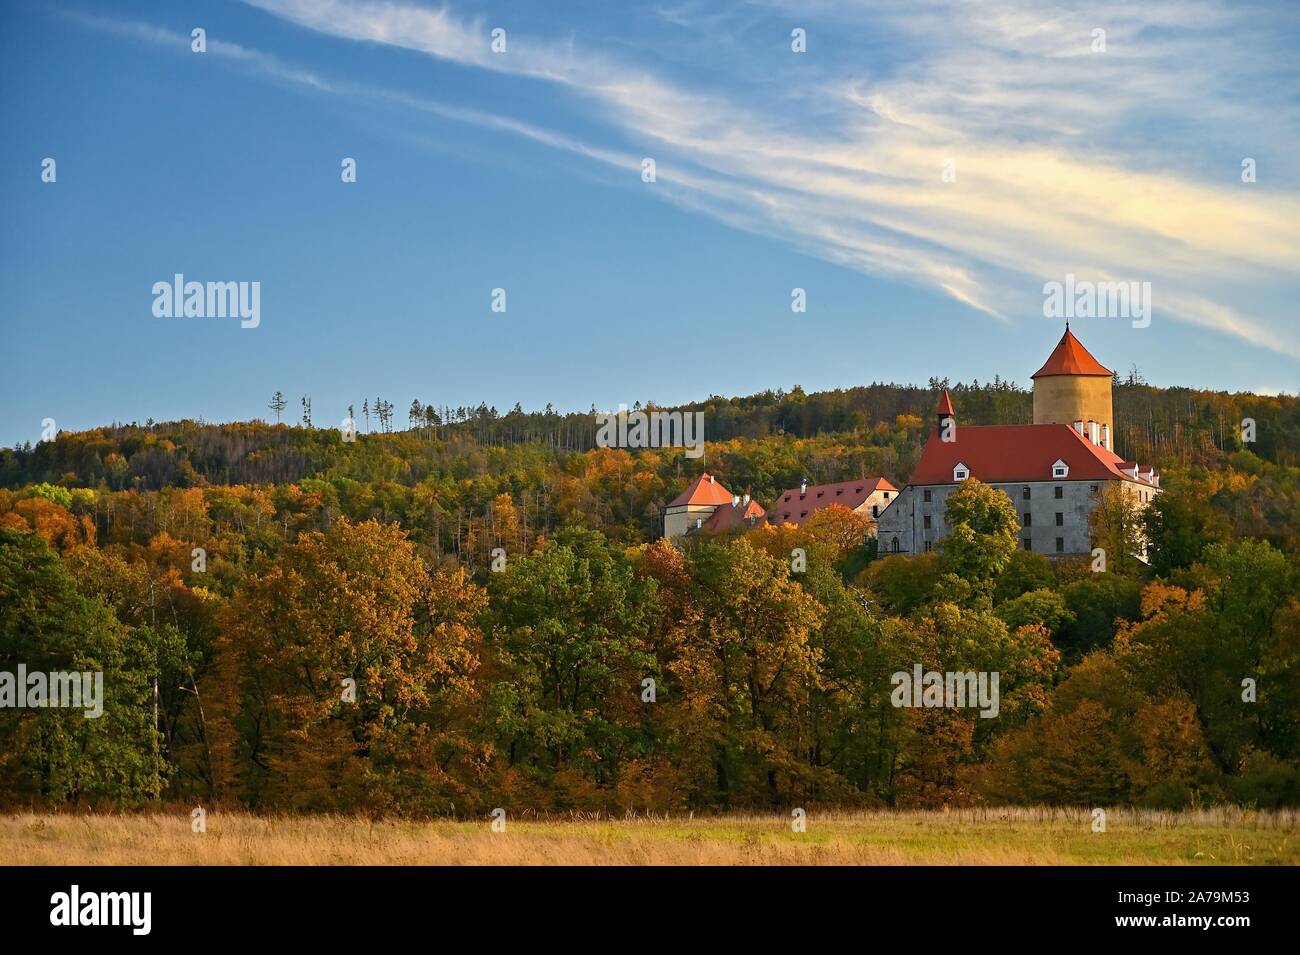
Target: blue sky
[{"x": 522, "y": 170}]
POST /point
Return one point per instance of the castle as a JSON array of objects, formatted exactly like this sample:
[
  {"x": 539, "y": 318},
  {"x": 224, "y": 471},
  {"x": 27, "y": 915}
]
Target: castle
[{"x": 1053, "y": 470}]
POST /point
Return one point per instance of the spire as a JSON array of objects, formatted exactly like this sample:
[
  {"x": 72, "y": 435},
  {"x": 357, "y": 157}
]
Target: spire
[{"x": 943, "y": 411}]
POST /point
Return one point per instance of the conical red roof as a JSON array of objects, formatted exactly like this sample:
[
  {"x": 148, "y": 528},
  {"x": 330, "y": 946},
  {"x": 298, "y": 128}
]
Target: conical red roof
[
  {"x": 1071, "y": 358},
  {"x": 703, "y": 490},
  {"x": 945, "y": 404}
]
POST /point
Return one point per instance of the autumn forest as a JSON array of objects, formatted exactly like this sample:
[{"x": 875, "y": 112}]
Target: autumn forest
[{"x": 288, "y": 621}]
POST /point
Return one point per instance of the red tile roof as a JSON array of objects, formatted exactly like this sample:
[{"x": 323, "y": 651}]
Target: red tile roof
[
  {"x": 790, "y": 508},
  {"x": 945, "y": 404},
  {"x": 705, "y": 489},
  {"x": 732, "y": 515},
  {"x": 999, "y": 454},
  {"x": 1071, "y": 358}
]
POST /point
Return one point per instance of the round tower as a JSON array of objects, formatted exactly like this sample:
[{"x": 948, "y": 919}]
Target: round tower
[{"x": 1074, "y": 388}]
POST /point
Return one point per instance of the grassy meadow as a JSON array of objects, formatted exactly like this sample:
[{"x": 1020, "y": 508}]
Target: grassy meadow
[{"x": 960, "y": 837}]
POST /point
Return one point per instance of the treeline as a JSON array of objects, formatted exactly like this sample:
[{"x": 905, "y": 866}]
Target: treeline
[
  {"x": 1160, "y": 425},
  {"x": 348, "y": 668}
]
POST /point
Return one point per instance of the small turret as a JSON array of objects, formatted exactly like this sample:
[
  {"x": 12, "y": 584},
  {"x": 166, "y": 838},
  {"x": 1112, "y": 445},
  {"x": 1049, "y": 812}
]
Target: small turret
[{"x": 943, "y": 413}]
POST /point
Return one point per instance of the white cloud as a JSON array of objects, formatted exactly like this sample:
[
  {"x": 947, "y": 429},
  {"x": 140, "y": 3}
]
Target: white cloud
[{"x": 1067, "y": 160}]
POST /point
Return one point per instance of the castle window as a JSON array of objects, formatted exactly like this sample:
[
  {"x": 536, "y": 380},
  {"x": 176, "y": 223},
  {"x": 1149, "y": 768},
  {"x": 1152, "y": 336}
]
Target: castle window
[
  {"x": 1029, "y": 519},
  {"x": 1094, "y": 489},
  {"x": 926, "y": 524},
  {"x": 960, "y": 472},
  {"x": 895, "y": 545},
  {"x": 1060, "y": 469},
  {"x": 1060, "y": 519},
  {"x": 875, "y": 510},
  {"x": 925, "y": 495},
  {"x": 1060, "y": 545},
  {"x": 1024, "y": 492},
  {"x": 1029, "y": 545},
  {"x": 1060, "y": 492},
  {"x": 928, "y": 546}
]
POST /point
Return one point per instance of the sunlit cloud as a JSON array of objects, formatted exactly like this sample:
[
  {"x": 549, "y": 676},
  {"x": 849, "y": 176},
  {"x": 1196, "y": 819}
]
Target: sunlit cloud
[{"x": 1067, "y": 160}]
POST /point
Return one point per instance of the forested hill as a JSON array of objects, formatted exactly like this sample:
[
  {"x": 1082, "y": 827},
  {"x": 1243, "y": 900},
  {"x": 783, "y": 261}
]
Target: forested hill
[
  {"x": 877, "y": 428},
  {"x": 230, "y": 575},
  {"x": 464, "y": 458}
]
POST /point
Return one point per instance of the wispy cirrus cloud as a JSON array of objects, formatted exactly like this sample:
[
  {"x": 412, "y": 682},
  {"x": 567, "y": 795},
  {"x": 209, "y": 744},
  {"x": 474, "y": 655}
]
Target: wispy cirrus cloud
[
  {"x": 1115, "y": 165},
  {"x": 1056, "y": 170}
]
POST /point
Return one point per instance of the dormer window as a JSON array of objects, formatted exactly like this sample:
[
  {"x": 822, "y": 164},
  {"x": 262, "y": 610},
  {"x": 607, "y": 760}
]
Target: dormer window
[
  {"x": 960, "y": 472},
  {"x": 1060, "y": 469}
]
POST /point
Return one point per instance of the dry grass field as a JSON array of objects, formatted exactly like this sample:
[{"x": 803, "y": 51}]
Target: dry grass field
[{"x": 970, "y": 837}]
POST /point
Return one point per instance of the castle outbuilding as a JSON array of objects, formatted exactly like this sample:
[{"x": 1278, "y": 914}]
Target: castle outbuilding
[
  {"x": 866, "y": 496},
  {"x": 706, "y": 506}
]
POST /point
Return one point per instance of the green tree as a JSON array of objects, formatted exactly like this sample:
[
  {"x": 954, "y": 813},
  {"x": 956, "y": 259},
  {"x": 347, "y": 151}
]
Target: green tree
[
  {"x": 1028, "y": 570},
  {"x": 983, "y": 529},
  {"x": 58, "y": 755},
  {"x": 747, "y": 670},
  {"x": 1095, "y": 604},
  {"x": 569, "y": 629},
  {"x": 900, "y": 584},
  {"x": 1116, "y": 527},
  {"x": 1176, "y": 530},
  {"x": 1045, "y": 608}
]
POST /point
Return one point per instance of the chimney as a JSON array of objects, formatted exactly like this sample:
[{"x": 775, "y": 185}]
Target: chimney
[
  {"x": 1078, "y": 426},
  {"x": 735, "y": 500},
  {"x": 746, "y": 499},
  {"x": 803, "y": 487},
  {"x": 1094, "y": 434},
  {"x": 1105, "y": 436},
  {"x": 710, "y": 477}
]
